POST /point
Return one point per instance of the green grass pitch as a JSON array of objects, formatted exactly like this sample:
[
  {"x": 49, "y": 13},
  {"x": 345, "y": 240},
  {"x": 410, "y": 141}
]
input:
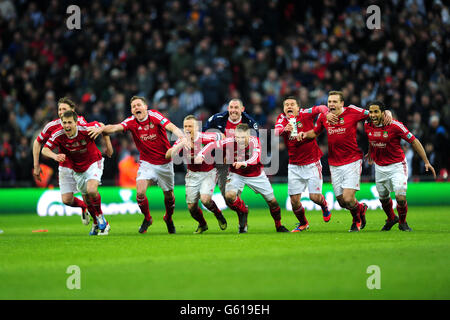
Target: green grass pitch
[{"x": 325, "y": 262}]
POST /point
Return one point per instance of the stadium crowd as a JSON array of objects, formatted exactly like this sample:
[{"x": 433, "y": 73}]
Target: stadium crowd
[{"x": 192, "y": 57}]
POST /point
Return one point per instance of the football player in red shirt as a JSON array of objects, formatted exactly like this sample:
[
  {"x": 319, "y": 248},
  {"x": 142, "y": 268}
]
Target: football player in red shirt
[
  {"x": 201, "y": 178},
  {"x": 344, "y": 155},
  {"x": 244, "y": 152},
  {"x": 67, "y": 183},
  {"x": 305, "y": 168},
  {"x": 391, "y": 169},
  {"x": 148, "y": 128},
  {"x": 86, "y": 160}
]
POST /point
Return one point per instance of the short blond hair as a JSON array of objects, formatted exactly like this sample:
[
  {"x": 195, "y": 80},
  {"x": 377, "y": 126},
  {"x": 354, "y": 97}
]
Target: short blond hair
[
  {"x": 138, "y": 97},
  {"x": 337, "y": 93}
]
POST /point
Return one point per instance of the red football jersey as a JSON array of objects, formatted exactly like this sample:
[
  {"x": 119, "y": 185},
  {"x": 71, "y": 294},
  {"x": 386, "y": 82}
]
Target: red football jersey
[
  {"x": 80, "y": 149},
  {"x": 202, "y": 139},
  {"x": 51, "y": 128},
  {"x": 251, "y": 155},
  {"x": 231, "y": 126},
  {"x": 300, "y": 152},
  {"x": 384, "y": 142},
  {"x": 150, "y": 136},
  {"x": 342, "y": 145}
]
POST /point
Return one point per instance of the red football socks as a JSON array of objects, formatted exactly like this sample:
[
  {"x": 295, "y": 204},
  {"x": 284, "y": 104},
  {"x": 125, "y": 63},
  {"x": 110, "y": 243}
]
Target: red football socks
[
  {"x": 355, "y": 212},
  {"x": 198, "y": 216},
  {"x": 276, "y": 215},
  {"x": 143, "y": 205},
  {"x": 300, "y": 214},
  {"x": 388, "y": 209},
  {"x": 170, "y": 206},
  {"x": 402, "y": 211}
]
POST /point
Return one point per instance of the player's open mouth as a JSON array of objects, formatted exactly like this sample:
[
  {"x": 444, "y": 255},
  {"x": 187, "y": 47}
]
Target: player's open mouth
[{"x": 289, "y": 112}]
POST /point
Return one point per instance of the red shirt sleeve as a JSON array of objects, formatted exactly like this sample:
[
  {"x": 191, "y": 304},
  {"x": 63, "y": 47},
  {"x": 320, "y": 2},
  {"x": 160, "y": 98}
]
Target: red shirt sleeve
[{"x": 319, "y": 124}]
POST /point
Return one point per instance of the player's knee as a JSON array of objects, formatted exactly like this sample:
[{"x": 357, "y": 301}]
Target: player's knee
[
  {"x": 205, "y": 199},
  {"x": 295, "y": 202},
  {"x": 349, "y": 201},
  {"x": 401, "y": 200},
  {"x": 273, "y": 203},
  {"x": 316, "y": 198},
  {"x": 169, "y": 196},
  {"x": 230, "y": 197},
  {"x": 67, "y": 199},
  {"x": 192, "y": 207},
  {"x": 342, "y": 203}
]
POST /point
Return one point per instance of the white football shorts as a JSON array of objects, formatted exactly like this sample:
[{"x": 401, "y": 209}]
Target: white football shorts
[
  {"x": 259, "y": 184},
  {"x": 346, "y": 176},
  {"x": 393, "y": 177},
  {"x": 302, "y": 177},
  {"x": 94, "y": 172},
  {"x": 162, "y": 174},
  {"x": 67, "y": 183},
  {"x": 198, "y": 183}
]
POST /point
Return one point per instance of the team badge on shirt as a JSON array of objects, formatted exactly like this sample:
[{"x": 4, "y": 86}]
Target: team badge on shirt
[
  {"x": 341, "y": 120},
  {"x": 385, "y": 134},
  {"x": 151, "y": 125},
  {"x": 299, "y": 124}
]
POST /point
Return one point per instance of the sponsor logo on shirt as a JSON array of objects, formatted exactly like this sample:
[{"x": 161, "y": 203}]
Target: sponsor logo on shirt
[
  {"x": 336, "y": 131},
  {"x": 378, "y": 144},
  {"x": 148, "y": 137}
]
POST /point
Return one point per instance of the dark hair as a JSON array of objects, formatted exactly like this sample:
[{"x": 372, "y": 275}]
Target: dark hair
[
  {"x": 377, "y": 103},
  {"x": 242, "y": 127},
  {"x": 290, "y": 98},
  {"x": 67, "y": 101},
  {"x": 70, "y": 114}
]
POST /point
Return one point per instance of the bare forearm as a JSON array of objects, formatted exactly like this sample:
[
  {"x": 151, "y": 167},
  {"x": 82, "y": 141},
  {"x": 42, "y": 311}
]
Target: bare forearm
[
  {"x": 311, "y": 134},
  {"x": 36, "y": 152},
  {"x": 417, "y": 147},
  {"x": 49, "y": 153},
  {"x": 175, "y": 130},
  {"x": 112, "y": 128}
]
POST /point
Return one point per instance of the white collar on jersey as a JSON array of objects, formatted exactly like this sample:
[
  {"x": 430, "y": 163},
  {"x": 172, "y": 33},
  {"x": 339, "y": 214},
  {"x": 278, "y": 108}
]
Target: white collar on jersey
[
  {"x": 237, "y": 121},
  {"x": 75, "y": 135},
  {"x": 145, "y": 119}
]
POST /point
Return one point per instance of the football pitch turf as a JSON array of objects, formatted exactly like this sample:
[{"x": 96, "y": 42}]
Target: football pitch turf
[{"x": 325, "y": 262}]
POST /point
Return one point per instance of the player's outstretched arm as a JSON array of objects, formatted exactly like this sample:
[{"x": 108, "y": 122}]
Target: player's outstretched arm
[
  {"x": 57, "y": 157},
  {"x": 174, "y": 150},
  {"x": 417, "y": 146},
  {"x": 94, "y": 132},
  {"x": 36, "y": 167}
]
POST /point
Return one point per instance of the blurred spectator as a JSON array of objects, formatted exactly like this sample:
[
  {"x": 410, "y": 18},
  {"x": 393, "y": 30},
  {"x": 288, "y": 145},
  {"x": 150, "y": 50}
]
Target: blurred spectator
[{"x": 128, "y": 168}]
